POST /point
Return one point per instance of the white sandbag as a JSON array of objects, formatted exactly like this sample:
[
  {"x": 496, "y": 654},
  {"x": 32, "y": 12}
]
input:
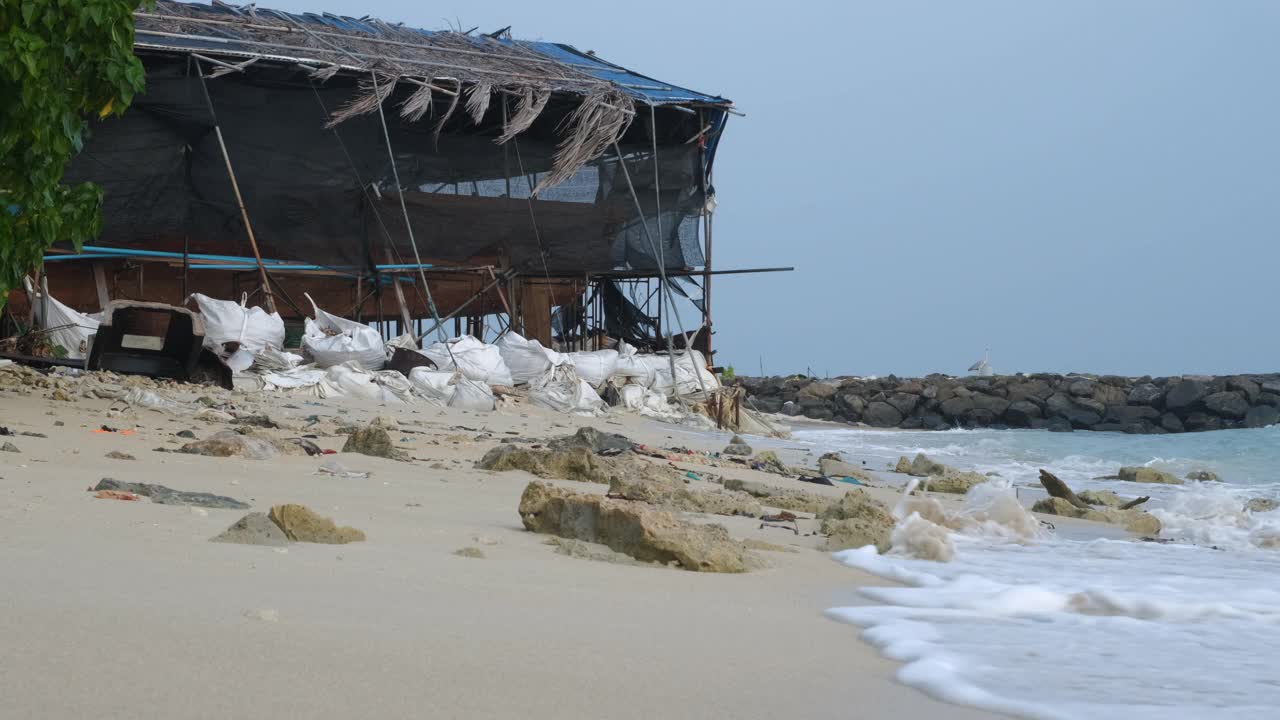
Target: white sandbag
[
  {"x": 152, "y": 400},
  {"x": 476, "y": 360},
  {"x": 689, "y": 365},
  {"x": 632, "y": 396},
  {"x": 395, "y": 387},
  {"x": 293, "y": 379},
  {"x": 351, "y": 380},
  {"x": 331, "y": 340},
  {"x": 526, "y": 360},
  {"x": 434, "y": 386},
  {"x": 595, "y": 367},
  {"x": 631, "y": 366},
  {"x": 226, "y": 321},
  {"x": 73, "y": 328},
  {"x": 276, "y": 360},
  {"x": 563, "y": 391},
  {"x": 472, "y": 395}
]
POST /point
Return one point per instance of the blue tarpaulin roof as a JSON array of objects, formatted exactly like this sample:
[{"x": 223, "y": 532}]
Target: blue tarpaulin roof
[{"x": 220, "y": 29}]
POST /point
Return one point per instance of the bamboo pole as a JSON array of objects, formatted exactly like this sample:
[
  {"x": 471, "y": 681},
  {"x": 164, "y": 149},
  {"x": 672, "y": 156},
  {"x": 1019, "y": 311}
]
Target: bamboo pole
[{"x": 235, "y": 187}]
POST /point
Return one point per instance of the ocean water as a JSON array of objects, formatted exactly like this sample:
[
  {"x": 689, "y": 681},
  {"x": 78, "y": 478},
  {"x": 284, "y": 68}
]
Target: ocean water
[{"x": 1040, "y": 624}]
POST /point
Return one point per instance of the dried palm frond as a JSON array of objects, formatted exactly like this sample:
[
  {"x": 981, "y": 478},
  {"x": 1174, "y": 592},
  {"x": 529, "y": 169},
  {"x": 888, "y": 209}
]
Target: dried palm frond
[
  {"x": 453, "y": 105},
  {"x": 324, "y": 73},
  {"x": 530, "y": 106},
  {"x": 371, "y": 96},
  {"x": 417, "y": 104},
  {"x": 478, "y": 101},
  {"x": 595, "y": 125}
]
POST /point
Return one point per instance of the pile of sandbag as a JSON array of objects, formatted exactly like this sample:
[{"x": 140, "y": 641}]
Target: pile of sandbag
[{"x": 330, "y": 340}]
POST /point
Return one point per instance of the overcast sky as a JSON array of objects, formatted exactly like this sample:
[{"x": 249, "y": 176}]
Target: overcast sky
[{"x": 1080, "y": 186}]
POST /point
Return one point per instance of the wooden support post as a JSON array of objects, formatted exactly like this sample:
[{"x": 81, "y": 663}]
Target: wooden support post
[
  {"x": 100, "y": 280},
  {"x": 535, "y": 311}
]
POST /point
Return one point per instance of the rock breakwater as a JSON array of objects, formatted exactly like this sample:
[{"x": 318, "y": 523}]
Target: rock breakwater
[{"x": 1042, "y": 401}]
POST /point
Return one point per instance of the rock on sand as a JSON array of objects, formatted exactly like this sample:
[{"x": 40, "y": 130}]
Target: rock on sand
[
  {"x": 253, "y": 529},
  {"x": 302, "y": 524},
  {"x": 634, "y": 529}
]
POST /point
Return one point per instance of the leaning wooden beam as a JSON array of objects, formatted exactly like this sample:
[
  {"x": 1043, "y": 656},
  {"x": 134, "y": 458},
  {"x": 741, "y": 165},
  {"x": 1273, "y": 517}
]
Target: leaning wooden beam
[
  {"x": 1059, "y": 489},
  {"x": 235, "y": 187},
  {"x": 1135, "y": 502},
  {"x": 100, "y": 280}
]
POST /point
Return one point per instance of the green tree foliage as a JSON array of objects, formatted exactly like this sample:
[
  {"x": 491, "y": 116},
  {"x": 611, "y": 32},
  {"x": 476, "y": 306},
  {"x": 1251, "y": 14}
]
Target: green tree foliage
[{"x": 61, "y": 61}]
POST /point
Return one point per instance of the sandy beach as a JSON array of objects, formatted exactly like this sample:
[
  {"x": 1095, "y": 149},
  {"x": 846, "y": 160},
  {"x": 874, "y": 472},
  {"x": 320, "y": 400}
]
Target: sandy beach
[{"x": 125, "y": 609}]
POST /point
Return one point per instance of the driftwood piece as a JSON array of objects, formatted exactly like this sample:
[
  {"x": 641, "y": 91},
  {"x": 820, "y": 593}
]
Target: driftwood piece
[
  {"x": 1135, "y": 502},
  {"x": 1059, "y": 489}
]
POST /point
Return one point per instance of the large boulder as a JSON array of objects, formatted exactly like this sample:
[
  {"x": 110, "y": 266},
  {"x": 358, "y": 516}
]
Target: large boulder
[
  {"x": 1135, "y": 521},
  {"x": 1021, "y": 413},
  {"x": 768, "y": 461},
  {"x": 1172, "y": 423},
  {"x": 634, "y": 529},
  {"x": 818, "y": 390},
  {"x": 881, "y": 414},
  {"x": 676, "y": 496},
  {"x": 957, "y": 407},
  {"x": 1261, "y": 416},
  {"x": 1069, "y": 409},
  {"x": 737, "y": 446},
  {"x": 302, "y": 524},
  {"x": 1201, "y": 421},
  {"x": 1250, "y": 389},
  {"x": 1131, "y": 414},
  {"x": 1147, "y": 475},
  {"x": 996, "y": 406},
  {"x": 1262, "y": 505},
  {"x": 374, "y": 441},
  {"x": 1227, "y": 404},
  {"x": 1185, "y": 393},
  {"x": 904, "y": 402},
  {"x": 1145, "y": 394}
]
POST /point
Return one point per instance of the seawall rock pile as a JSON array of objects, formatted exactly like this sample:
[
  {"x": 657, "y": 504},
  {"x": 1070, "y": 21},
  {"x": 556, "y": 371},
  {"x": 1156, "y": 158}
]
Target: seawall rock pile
[{"x": 1043, "y": 401}]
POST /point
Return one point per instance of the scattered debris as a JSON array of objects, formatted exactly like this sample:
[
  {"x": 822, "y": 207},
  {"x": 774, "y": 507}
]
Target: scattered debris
[
  {"x": 115, "y": 495},
  {"x": 337, "y": 469},
  {"x": 162, "y": 495},
  {"x": 782, "y": 519},
  {"x": 117, "y": 455},
  {"x": 470, "y": 552},
  {"x": 229, "y": 443}
]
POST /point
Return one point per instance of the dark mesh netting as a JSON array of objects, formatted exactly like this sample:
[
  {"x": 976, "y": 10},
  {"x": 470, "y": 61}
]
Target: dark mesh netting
[{"x": 328, "y": 198}]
